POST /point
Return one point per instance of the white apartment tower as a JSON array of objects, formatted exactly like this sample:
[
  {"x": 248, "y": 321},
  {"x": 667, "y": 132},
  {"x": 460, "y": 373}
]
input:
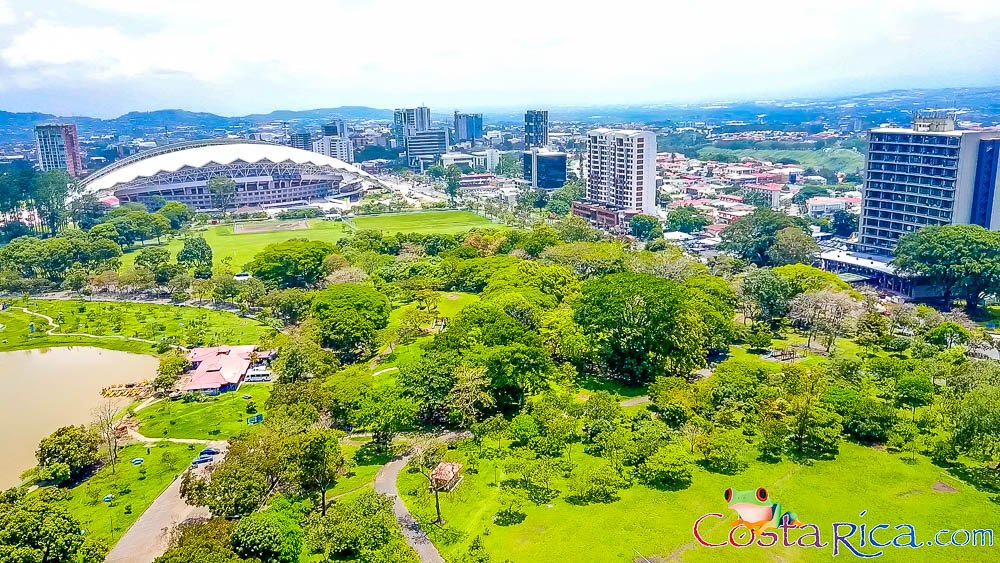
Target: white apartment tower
[
  {"x": 621, "y": 169},
  {"x": 335, "y": 142}
]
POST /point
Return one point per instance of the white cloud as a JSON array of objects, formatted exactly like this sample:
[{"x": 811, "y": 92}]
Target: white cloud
[
  {"x": 234, "y": 57},
  {"x": 7, "y": 16}
]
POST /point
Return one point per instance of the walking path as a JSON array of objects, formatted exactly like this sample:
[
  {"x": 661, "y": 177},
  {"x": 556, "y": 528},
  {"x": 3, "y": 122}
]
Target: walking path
[
  {"x": 129, "y": 298},
  {"x": 149, "y": 537},
  {"x": 385, "y": 483},
  {"x": 54, "y": 326},
  {"x": 140, "y": 438},
  {"x": 635, "y": 401}
]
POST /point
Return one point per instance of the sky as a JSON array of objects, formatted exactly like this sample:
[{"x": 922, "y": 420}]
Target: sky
[{"x": 107, "y": 57}]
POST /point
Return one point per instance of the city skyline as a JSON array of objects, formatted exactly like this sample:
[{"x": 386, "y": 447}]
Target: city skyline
[{"x": 66, "y": 57}]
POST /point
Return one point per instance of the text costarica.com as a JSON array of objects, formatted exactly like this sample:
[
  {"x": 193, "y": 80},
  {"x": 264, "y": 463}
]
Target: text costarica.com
[{"x": 860, "y": 540}]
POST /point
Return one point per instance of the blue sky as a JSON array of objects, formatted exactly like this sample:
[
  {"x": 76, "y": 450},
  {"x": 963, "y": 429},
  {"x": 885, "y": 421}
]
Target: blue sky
[{"x": 107, "y": 57}]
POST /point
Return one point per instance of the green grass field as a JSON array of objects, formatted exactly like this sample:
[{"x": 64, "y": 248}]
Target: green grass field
[
  {"x": 164, "y": 461},
  {"x": 837, "y": 160},
  {"x": 186, "y": 325},
  {"x": 658, "y": 524},
  {"x": 448, "y": 306},
  {"x": 445, "y": 222},
  {"x": 217, "y": 418},
  {"x": 238, "y": 249}
]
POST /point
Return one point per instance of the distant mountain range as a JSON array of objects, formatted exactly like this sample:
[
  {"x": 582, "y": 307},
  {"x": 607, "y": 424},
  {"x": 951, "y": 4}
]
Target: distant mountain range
[
  {"x": 19, "y": 127},
  {"x": 982, "y": 105}
]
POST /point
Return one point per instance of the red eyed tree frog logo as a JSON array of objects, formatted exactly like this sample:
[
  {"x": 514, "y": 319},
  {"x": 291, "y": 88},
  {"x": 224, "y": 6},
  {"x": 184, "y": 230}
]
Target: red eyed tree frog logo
[{"x": 758, "y": 512}]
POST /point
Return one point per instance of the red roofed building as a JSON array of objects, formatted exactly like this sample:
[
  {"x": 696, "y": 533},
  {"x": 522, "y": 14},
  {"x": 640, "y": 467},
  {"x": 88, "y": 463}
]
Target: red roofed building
[
  {"x": 223, "y": 368},
  {"x": 445, "y": 475}
]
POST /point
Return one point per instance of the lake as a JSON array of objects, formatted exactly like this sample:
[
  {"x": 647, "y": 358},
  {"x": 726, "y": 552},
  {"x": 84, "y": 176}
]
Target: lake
[{"x": 42, "y": 390}]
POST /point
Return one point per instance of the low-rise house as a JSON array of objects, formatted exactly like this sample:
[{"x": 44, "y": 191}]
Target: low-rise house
[
  {"x": 223, "y": 368},
  {"x": 821, "y": 205}
]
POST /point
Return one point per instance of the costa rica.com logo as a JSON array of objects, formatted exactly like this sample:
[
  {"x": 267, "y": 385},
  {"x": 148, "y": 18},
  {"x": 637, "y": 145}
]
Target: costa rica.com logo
[{"x": 763, "y": 522}]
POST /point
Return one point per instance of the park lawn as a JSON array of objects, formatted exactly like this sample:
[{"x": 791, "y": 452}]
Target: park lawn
[
  {"x": 239, "y": 249},
  {"x": 658, "y": 523},
  {"x": 363, "y": 473},
  {"x": 444, "y": 222},
  {"x": 186, "y": 325},
  {"x": 165, "y": 461},
  {"x": 835, "y": 159},
  {"x": 218, "y": 418},
  {"x": 14, "y": 335}
]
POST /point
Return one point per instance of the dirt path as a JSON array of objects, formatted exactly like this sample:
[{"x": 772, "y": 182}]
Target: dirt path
[
  {"x": 149, "y": 536},
  {"x": 635, "y": 401}
]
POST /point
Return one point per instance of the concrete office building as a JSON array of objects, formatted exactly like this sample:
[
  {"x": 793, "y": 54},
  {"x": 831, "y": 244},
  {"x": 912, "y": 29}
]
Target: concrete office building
[
  {"x": 58, "y": 146},
  {"x": 468, "y": 127},
  {"x": 409, "y": 120},
  {"x": 928, "y": 174},
  {"x": 543, "y": 168},
  {"x": 423, "y": 148},
  {"x": 300, "y": 140},
  {"x": 621, "y": 176},
  {"x": 536, "y": 128}
]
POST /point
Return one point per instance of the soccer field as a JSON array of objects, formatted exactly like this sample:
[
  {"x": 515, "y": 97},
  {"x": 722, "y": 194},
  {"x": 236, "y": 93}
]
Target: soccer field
[{"x": 241, "y": 248}]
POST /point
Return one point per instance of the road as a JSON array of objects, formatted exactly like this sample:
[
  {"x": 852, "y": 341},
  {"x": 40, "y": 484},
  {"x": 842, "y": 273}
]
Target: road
[{"x": 150, "y": 535}]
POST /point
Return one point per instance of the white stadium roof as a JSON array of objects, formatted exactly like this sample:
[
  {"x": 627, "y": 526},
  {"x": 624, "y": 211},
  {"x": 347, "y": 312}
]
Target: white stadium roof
[{"x": 171, "y": 158}]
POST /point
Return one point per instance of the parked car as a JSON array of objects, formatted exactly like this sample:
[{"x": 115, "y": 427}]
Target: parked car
[
  {"x": 208, "y": 452},
  {"x": 242, "y": 276},
  {"x": 201, "y": 459}
]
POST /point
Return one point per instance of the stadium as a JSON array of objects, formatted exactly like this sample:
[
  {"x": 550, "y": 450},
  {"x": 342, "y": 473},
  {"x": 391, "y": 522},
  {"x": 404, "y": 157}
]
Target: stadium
[{"x": 266, "y": 175}]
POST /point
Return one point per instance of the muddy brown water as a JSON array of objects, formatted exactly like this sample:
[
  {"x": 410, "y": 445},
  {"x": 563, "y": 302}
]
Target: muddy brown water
[{"x": 41, "y": 390}]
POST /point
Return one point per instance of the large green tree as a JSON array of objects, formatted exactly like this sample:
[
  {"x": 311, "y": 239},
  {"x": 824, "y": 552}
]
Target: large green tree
[
  {"x": 645, "y": 227},
  {"x": 642, "y": 326},
  {"x": 223, "y": 192},
  {"x": 75, "y": 446},
  {"x": 349, "y": 316},
  {"x": 959, "y": 259},
  {"x": 686, "y": 219},
  {"x": 751, "y": 237},
  {"x": 291, "y": 263}
]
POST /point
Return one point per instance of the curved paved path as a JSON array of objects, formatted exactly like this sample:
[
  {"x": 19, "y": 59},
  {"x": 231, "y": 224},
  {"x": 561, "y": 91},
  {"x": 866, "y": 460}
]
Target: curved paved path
[
  {"x": 149, "y": 537},
  {"x": 385, "y": 483}
]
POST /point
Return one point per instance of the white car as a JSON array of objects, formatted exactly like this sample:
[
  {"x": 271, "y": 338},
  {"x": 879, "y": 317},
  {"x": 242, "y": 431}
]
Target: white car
[{"x": 242, "y": 276}]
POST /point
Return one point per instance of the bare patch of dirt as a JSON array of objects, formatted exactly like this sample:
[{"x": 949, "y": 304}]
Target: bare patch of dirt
[{"x": 942, "y": 487}]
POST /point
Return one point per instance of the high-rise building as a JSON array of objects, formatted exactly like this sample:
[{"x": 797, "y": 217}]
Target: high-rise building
[
  {"x": 928, "y": 174},
  {"x": 335, "y": 143},
  {"x": 544, "y": 168},
  {"x": 621, "y": 176},
  {"x": 468, "y": 127},
  {"x": 335, "y": 128},
  {"x": 536, "y": 128},
  {"x": 410, "y": 120},
  {"x": 334, "y": 147},
  {"x": 300, "y": 140},
  {"x": 426, "y": 146},
  {"x": 58, "y": 147}
]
